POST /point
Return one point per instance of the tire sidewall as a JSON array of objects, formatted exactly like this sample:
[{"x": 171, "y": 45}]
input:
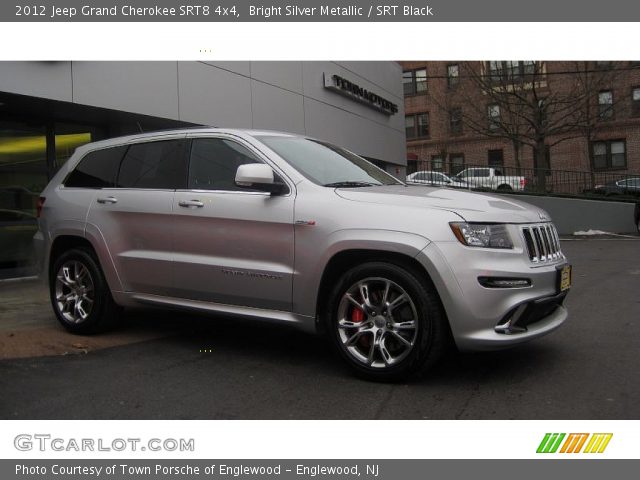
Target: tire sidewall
[{"x": 414, "y": 289}]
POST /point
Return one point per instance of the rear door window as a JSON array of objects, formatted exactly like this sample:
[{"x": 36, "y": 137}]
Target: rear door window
[
  {"x": 154, "y": 165},
  {"x": 98, "y": 169}
]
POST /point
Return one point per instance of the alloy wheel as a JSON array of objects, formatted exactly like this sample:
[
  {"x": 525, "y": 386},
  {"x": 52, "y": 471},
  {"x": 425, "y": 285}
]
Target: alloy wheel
[
  {"x": 74, "y": 291},
  {"x": 377, "y": 322}
]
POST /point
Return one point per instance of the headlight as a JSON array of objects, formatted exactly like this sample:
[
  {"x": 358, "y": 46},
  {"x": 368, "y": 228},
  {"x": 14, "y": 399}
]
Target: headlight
[{"x": 482, "y": 235}]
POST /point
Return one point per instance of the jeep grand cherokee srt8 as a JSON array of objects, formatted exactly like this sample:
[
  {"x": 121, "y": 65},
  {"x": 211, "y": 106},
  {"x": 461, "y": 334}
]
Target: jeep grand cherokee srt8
[{"x": 283, "y": 227}]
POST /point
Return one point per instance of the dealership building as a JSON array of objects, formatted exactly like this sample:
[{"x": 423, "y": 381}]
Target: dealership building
[{"x": 47, "y": 109}]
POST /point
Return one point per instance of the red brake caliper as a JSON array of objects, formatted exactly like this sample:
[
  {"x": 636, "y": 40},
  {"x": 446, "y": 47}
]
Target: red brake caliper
[{"x": 357, "y": 315}]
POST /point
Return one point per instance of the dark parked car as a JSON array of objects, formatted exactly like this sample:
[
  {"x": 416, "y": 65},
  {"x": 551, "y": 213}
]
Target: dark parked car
[{"x": 625, "y": 186}]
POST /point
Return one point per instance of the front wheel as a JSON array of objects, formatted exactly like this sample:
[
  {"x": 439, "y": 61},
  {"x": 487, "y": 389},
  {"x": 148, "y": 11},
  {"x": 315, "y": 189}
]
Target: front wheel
[{"x": 385, "y": 321}]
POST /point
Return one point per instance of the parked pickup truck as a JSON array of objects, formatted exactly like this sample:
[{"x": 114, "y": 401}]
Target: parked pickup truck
[{"x": 491, "y": 178}]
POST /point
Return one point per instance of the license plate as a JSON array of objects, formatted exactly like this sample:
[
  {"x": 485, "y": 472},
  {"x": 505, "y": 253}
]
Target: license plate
[{"x": 565, "y": 278}]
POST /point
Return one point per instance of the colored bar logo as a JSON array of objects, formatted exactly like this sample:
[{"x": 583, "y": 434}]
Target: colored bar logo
[{"x": 574, "y": 443}]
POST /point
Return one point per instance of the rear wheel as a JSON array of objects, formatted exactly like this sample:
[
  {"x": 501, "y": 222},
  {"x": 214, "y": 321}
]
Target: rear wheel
[
  {"x": 385, "y": 322},
  {"x": 80, "y": 295},
  {"x": 504, "y": 188}
]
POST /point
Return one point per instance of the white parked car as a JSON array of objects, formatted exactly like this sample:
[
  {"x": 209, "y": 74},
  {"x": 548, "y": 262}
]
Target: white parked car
[
  {"x": 428, "y": 177},
  {"x": 491, "y": 178}
]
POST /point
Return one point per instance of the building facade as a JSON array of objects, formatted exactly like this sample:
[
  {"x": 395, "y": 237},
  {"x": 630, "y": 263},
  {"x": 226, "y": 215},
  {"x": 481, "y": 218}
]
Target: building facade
[
  {"x": 47, "y": 109},
  {"x": 452, "y": 122}
]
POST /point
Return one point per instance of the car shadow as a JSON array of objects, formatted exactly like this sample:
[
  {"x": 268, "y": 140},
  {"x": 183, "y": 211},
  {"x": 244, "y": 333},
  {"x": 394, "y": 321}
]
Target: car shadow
[{"x": 283, "y": 343}]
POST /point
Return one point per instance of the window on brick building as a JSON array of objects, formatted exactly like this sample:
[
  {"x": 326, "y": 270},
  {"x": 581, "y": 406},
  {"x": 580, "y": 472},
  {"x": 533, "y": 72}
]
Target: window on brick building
[
  {"x": 604, "y": 64},
  {"x": 609, "y": 154},
  {"x": 453, "y": 75},
  {"x": 635, "y": 102},
  {"x": 495, "y": 158},
  {"x": 456, "y": 163},
  {"x": 437, "y": 163},
  {"x": 417, "y": 126},
  {"x": 410, "y": 126},
  {"x": 512, "y": 70},
  {"x": 605, "y": 104},
  {"x": 455, "y": 121},
  {"x": 414, "y": 81},
  {"x": 493, "y": 112},
  {"x": 495, "y": 71}
]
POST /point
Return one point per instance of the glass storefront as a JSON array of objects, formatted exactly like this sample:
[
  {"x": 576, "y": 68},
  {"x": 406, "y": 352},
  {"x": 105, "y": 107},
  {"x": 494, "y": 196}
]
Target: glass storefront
[{"x": 30, "y": 154}]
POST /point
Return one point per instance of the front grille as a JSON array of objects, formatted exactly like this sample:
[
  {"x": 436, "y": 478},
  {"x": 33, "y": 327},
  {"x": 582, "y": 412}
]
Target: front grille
[{"x": 543, "y": 244}]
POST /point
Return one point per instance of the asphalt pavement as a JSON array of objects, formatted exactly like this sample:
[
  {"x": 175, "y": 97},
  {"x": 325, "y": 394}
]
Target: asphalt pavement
[{"x": 178, "y": 366}]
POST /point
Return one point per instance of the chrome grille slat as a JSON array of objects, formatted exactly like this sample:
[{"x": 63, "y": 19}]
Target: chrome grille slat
[
  {"x": 538, "y": 239},
  {"x": 554, "y": 245},
  {"x": 547, "y": 245},
  {"x": 541, "y": 242}
]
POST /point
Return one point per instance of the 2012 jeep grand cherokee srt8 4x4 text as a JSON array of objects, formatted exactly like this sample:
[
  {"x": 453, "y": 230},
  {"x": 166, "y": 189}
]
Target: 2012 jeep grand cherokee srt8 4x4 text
[{"x": 282, "y": 227}]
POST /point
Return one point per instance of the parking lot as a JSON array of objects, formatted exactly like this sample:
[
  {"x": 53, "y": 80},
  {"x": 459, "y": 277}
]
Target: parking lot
[{"x": 171, "y": 365}]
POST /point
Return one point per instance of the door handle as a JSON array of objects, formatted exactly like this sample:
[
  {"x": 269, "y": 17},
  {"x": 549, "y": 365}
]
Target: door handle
[
  {"x": 107, "y": 200},
  {"x": 191, "y": 203}
]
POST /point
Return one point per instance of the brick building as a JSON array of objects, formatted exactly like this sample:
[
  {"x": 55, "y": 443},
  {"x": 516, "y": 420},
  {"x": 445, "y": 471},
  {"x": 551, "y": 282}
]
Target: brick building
[{"x": 440, "y": 96}]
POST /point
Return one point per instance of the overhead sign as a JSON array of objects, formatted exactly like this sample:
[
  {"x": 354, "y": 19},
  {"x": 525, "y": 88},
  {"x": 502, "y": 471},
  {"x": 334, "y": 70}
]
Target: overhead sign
[{"x": 347, "y": 88}]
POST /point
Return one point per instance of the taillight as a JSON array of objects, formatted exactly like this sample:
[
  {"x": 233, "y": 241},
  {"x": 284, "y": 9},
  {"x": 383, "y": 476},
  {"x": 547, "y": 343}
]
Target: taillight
[{"x": 39, "y": 205}]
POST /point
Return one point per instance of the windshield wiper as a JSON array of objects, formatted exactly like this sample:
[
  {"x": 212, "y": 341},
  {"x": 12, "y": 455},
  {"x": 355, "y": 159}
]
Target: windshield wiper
[{"x": 349, "y": 184}]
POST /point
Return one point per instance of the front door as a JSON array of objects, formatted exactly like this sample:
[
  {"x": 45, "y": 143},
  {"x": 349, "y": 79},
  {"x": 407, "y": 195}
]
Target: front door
[{"x": 232, "y": 246}]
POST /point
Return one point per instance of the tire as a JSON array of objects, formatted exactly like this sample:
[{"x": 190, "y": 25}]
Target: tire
[
  {"x": 79, "y": 293},
  {"x": 381, "y": 343},
  {"x": 504, "y": 188}
]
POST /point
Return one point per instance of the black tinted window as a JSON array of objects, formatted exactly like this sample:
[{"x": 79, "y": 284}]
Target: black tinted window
[
  {"x": 158, "y": 164},
  {"x": 214, "y": 162},
  {"x": 97, "y": 169}
]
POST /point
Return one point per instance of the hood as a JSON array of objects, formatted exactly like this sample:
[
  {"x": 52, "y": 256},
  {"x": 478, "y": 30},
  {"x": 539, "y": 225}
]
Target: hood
[{"x": 471, "y": 206}]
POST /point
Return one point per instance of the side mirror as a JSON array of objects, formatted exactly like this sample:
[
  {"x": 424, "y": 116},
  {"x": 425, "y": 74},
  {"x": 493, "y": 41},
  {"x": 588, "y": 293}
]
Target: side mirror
[{"x": 258, "y": 176}]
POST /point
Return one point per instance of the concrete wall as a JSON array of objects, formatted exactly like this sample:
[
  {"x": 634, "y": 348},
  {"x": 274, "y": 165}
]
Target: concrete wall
[
  {"x": 571, "y": 214},
  {"x": 287, "y": 96}
]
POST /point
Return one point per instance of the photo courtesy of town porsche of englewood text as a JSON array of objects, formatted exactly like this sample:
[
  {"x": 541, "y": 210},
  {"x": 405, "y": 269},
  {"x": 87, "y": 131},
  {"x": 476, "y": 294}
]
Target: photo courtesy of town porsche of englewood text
[{"x": 280, "y": 240}]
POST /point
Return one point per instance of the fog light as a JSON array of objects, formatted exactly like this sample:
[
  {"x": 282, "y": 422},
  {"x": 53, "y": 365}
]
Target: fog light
[{"x": 502, "y": 282}]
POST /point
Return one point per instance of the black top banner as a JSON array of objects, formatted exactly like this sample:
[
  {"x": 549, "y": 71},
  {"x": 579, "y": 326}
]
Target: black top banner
[{"x": 319, "y": 11}]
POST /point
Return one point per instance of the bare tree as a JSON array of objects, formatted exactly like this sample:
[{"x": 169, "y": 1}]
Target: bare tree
[{"x": 527, "y": 106}]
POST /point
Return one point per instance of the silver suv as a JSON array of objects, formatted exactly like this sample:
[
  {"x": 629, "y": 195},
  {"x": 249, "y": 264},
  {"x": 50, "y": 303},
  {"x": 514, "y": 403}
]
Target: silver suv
[{"x": 282, "y": 227}]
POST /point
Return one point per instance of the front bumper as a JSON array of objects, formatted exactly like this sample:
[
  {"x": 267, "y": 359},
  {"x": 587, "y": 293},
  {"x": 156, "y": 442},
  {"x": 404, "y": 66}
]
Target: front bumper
[{"x": 484, "y": 318}]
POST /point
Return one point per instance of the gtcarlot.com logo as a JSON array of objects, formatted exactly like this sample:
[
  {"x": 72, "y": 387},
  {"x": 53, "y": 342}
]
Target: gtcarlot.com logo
[
  {"x": 574, "y": 443},
  {"x": 44, "y": 442}
]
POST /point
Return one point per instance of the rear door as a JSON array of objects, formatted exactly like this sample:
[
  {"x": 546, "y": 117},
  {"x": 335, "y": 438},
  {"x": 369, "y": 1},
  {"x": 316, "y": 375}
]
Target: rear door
[
  {"x": 233, "y": 246},
  {"x": 134, "y": 217}
]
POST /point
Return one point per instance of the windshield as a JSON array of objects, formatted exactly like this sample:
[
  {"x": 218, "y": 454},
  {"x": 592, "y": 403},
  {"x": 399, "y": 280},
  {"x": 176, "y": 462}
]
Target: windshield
[{"x": 326, "y": 164}]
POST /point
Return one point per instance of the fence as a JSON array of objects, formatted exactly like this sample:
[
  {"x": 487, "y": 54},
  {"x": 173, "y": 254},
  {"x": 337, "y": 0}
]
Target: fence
[{"x": 549, "y": 181}]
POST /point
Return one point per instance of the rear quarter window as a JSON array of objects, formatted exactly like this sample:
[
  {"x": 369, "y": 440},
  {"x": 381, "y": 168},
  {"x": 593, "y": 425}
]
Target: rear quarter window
[{"x": 97, "y": 169}]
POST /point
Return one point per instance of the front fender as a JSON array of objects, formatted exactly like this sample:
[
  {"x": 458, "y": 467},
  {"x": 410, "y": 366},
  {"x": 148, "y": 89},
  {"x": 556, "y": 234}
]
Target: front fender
[{"x": 312, "y": 259}]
